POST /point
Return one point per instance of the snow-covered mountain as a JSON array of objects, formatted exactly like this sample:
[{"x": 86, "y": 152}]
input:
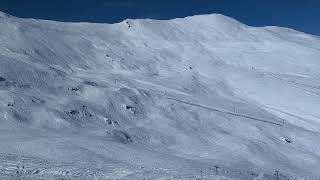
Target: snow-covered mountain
[{"x": 200, "y": 97}]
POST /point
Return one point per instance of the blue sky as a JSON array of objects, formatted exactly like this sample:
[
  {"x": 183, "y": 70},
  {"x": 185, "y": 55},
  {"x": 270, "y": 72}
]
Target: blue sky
[{"x": 302, "y": 15}]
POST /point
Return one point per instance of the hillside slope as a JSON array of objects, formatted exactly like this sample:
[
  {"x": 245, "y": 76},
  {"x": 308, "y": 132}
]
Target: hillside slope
[{"x": 149, "y": 98}]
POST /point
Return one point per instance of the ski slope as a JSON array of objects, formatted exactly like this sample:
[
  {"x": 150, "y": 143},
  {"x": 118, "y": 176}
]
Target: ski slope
[{"x": 202, "y": 97}]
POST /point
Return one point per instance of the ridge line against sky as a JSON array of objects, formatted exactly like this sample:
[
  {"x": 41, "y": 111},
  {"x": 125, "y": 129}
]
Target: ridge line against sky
[{"x": 296, "y": 14}]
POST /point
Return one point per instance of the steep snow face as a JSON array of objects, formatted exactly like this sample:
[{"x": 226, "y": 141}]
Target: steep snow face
[
  {"x": 3, "y": 15},
  {"x": 150, "y": 98}
]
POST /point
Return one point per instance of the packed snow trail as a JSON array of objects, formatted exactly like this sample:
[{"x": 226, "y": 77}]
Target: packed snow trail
[{"x": 226, "y": 112}]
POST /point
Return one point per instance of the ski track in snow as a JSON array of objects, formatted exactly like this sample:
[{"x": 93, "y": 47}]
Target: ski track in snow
[{"x": 226, "y": 112}]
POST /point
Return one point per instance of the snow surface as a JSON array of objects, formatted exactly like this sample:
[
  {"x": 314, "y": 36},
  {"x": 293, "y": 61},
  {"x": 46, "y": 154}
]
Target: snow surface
[{"x": 151, "y": 99}]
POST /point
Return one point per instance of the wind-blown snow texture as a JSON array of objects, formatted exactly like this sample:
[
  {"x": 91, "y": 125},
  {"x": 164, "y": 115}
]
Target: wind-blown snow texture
[{"x": 202, "y": 97}]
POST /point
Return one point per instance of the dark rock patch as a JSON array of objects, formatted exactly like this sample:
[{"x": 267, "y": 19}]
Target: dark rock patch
[
  {"x": 110, "y": 122},
  {"x": 88, "y": 114},
  {"x": 121, "y": 136},
  {"x": 74, "y": 112},
  {"x": 37, "y": 101},
  {"x": 91, "y": 83},
  {"x": 288, "y": 140},
  {"x": 115, "y": 123},
  {"x": 2, "y": 79},
  {"x": 128, "y": 24},
  {"x": 129, "y": 107},
  {"x": 74, "y": 89}
]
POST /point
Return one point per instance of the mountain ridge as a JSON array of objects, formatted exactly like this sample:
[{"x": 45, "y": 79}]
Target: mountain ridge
[{"x": 215, "y": 16}]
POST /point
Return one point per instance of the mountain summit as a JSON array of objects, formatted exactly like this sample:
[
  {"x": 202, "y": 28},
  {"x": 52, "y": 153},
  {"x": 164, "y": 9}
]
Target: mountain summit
[{"x": 197, "y": 97}]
